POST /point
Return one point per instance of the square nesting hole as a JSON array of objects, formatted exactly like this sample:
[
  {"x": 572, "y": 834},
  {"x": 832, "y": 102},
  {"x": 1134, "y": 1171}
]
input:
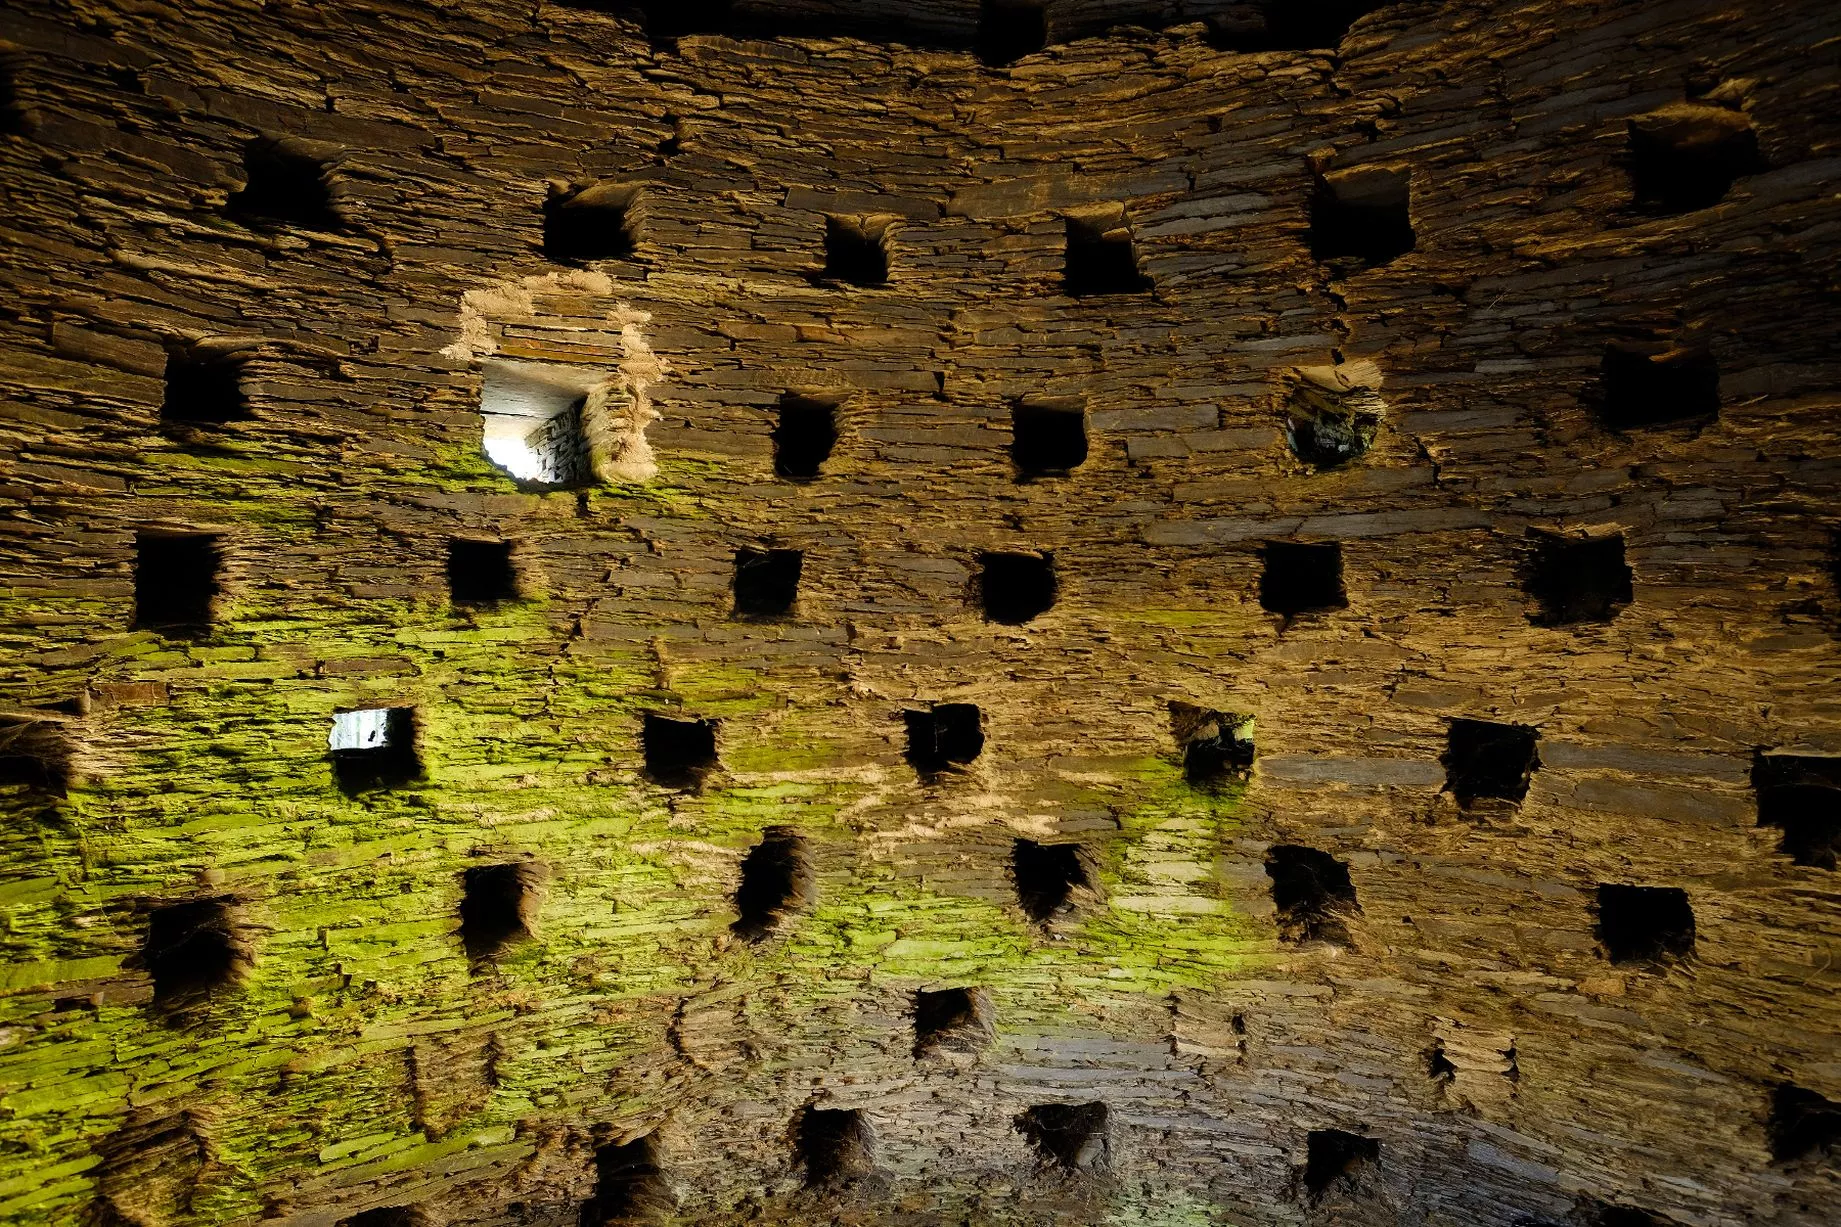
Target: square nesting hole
[
  {"x": 1800, "y": 795},
  {"x": 679, "y": 753},
  {"x": 1284, "y": 25},
  {"x": 599, "y": 221},
  {"x": 499, "y": 906},
  {"x": 1687, "y": 156},
  {"x": 36, "y": 755},
  {"x": 1644, "y": 925},
  {"x": 203, "y": 387},
  {"x": 630, "y": 1185},
  {"x": 1101, "y": 255},
  {"x": 1335, "y": 1155},
  {"x": 1363, "y": 214},
  {"x": 1486, "y": 760},
  {"x": 1577, "y": 578},
  {"x": 1048, "y": 436},
  {"x": 944, "y": 736},
  {"x": 857, "y": 249},
  {"x": 1217, "y": 747},
  {"x": 951, "y": 1020},
  {"x": 388, "y": 1216},
  {"x": 776, "y": 881},
  {"x": 1008, "y": 30},
  {"x": 835, "y": 1146},
  {"x": 1014, "y": 588},
  {"x": 766, "y": 582},
  {"x": 1047, "y": 877},
  {"x": 1643, "y": 384},
  {"x": 374, "y": 747},
  {"x": 195, "y": 948},
  {"x": 804, "y": 436},
  {"x": 176, "y": 582},
  {"x": 533, "y": 423},
  {"x": 480, "y": 572},
  {"x": 1073, "y": 1137},
  {"x": 1312, "y": 893},
  {"x": 1302, "y": 577},
  {"x": 1802, "y": 1123},
  {"x": 1334, "y": 414},
  {"x": 287, "y": 181}
]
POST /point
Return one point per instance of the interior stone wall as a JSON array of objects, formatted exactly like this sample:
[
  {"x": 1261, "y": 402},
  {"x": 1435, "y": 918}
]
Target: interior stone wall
[{"x": 1464, "y": 1013}]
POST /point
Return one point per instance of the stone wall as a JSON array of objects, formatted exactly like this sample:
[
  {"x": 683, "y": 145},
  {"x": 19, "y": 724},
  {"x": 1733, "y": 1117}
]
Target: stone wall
[{"x": 1524, "y": 309}]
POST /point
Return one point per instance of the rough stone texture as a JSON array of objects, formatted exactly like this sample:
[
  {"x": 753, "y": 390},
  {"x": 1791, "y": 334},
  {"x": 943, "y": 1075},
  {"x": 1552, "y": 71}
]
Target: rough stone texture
[{"x": 1471, "y": 1026}]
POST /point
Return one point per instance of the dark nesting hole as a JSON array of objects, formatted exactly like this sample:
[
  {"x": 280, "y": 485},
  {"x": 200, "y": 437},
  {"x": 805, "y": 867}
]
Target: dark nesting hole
[
  {"x": 944, "y": 735},
  {"x": 1644, "y": 924},
  {"x": 805, "y": 436},
  {"x": 1046, "y": 877},
  {"x": 1802, "y": 1123},
  {"x": 1327, "y": 429},
  {"x": 1363, "y": 213},
  {"x": 630, "y": 1186},
  {"x": 1070, "y": 1136},
  {"x": 498, "y": 906},
  {"x": 679, "y": 753},
  {"x": 175, "y": 580},
  {"x": 1686, "y": 157},
  {"x": 1101, "y": 258},
  {"x": 766, "y": 582},
  {"x": 387, "y": 1216},
  {"x": 776, "y": 880},
  {"x": 598, "y": 222},
  {"x": 12, "y": 104},
  {"x": 951, "y": 1020},
  {"x": 374, "y": 747},
  {"x": 203, "y": 387},
  {"x": 1284, "y": 25},
  {"x": 1334, "y": 1154},
  {"x": 1577, "y": 579},
  {"x": 1312, "y": 892},
  {"x": 1008, "y": 30},
  {"x": 35, "y": 755},
  {"x": 836, "y": 1145},
  {"x": 1801, "y": 796},
  {"x": 1217, "y": 746},
  {"x": 287, "y": 182},
  {"x": 1438, "y": 1066},
  {"x": 857, "y": 250},
  {"x": 194, "y": 948},
  {"x": 1048, "y": 437},
  {"x": 1606, "y": 1215},
  {"x": 1302, "y": 577},
  {"x": 1485, "y": 759},
  {"x": 1653, "y": 384},
  {"x": 1015, "y": 588},
  {"x": 668, "y": 19},
  {"x": 480, "y": 572}
]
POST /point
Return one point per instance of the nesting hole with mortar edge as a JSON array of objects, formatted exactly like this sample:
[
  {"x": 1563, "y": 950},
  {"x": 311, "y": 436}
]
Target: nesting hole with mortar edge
[
  {"x": 1333, "y": 1156},
  {"x": 1576, "y": 578},
  {"x": 857, "y": 249},
  {"x": 1069, "y": 1137},
  {"x": 1302, "y": 577},
  {"x": 630, "y": 1185},
  {"x": 766, "y": 583},
  {"x": 1486, "y": 761},
  {"x": 1048, "y": 877},
  {"x": 1687, "y": 156},
  {"x": 287, "y": 182},
  {"x": 1048, "y": 436},
  {"x": 202, "y": 387},
  {"x": 952, "y": 1021},
  {"x": 1013, "y": 588},
  {"x": 1800, "y": 795},
  {"x": 1644, "y": 926},
  {"x": 1330, "y": 418},
  {"x": 1656, "y": 383},
  {"x": 679, "y": 752},
  {"x": 1802, "y": 1123},
  {"x": 195, "y": 948},
  {"x": 943, "y": 736},
  {"x": 533, "y": 425},
  {"x": 481, "y": 572},
  {"x": 176, "y": 581},
  {"x": 1312, "y": 893},
  {"x": 373, "y": 748},
  {"x": 1284, "y": 25},
  {"x": 499, "y": 906},
  {"x": 1009, "y": 30},
  {"x": 1101, "y": 256},
  {"x": 805, "y": 436},
  {"x": 835, "y": 1146},
  {"x": 1217, "y": 747},
  {"x": 596, "y": 221},
  {"x": 37, "y": 755},
  {"x": 1362, "y": 215},
  {"x": 776, "y": 882}
]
